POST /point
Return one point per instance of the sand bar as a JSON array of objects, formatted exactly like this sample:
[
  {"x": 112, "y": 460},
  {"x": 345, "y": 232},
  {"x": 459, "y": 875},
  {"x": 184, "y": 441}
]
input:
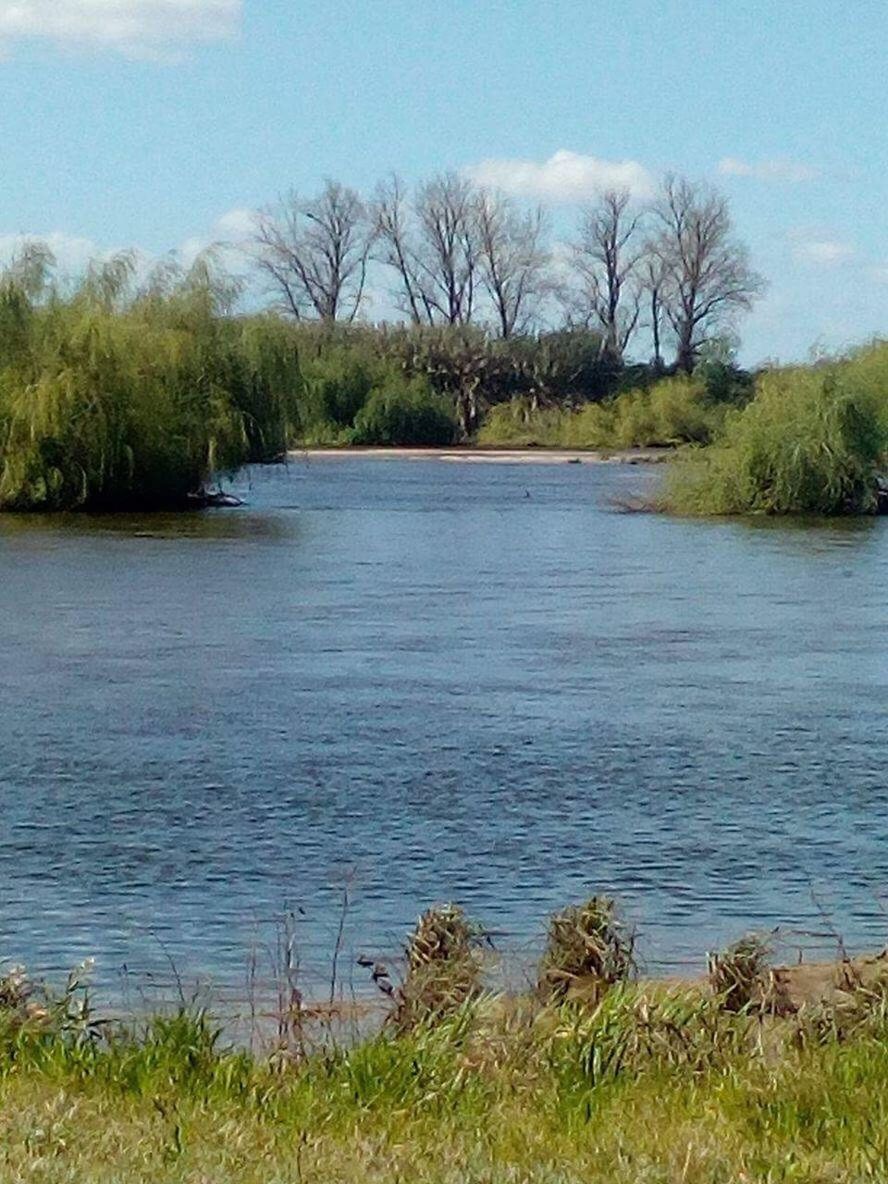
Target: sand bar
[{"x": 500, "y": 456}]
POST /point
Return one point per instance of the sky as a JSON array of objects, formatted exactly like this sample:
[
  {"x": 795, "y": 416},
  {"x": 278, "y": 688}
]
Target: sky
[{"x": 161, "y": 123}]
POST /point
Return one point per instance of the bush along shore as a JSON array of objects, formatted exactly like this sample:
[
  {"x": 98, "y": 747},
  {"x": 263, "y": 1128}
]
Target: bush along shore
[{"x": 592, "y": 1074}]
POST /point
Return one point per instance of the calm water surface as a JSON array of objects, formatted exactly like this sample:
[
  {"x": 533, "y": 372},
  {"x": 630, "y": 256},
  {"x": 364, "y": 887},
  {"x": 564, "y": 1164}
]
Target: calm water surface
[{"x": 438, "y": 681}]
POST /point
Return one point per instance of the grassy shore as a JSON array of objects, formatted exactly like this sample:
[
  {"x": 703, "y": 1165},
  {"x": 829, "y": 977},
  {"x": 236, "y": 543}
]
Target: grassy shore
[
  {"x": 450, "y": 1107},
  {"x": 590, "y": 1076}
]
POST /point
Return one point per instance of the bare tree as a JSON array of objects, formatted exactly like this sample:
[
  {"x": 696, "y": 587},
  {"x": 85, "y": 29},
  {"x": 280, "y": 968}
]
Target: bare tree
[
  {"x": 513, "y": 262},
  {"x": 445, "y": 207},
  {"x": 706, "y": 271},
  {"x": 314, "y": 253},
  {"x": 433, "y": 247},
  {"x": 396, "y": 239},
  {"x": 606, "y": 257},
  {"x": 652, "y": 278}
]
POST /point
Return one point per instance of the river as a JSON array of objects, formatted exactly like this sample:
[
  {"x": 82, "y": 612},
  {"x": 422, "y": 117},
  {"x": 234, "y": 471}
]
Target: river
[{"x": 431, "y": 680}]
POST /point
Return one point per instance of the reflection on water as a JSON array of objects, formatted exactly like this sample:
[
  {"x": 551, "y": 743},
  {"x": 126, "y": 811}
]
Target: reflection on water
[
  {"x": 241, "y": 524},
  {"x": 474, "y": 682}
]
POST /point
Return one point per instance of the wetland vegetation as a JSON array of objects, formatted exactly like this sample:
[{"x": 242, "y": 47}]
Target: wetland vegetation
[{"x": 591, "y": 1075}]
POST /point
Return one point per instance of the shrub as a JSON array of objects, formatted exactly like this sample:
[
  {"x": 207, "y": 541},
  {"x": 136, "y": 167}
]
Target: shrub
[
  {"x": 673, "y": 411},
  {"x": 810, "y": 442},
  {"x": 404, "y": 413},
  {"x": 518, "y": 424},
  {"x": 338, "y": 383}
]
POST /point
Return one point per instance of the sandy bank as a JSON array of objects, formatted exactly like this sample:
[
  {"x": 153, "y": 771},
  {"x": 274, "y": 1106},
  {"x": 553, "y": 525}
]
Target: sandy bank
[{"x": 495, "y": 456}]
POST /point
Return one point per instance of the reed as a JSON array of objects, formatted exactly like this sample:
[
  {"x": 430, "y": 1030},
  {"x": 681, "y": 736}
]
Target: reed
[
  {"x": 443, "y": 968},
  {"x": 588, "y": 949}
]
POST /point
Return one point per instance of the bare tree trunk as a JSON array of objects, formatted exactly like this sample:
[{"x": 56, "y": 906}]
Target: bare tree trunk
[{"x": 512, "y": 261}]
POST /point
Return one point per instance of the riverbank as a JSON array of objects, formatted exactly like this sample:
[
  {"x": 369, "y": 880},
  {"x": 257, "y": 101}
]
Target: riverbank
[
  {"x": 507, "y": 456},
  {"x": 660, "y": 1084}
]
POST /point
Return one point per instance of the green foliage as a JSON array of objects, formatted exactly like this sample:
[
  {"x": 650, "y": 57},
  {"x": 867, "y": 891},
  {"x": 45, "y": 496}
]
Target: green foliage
[
  {"x": 110, "y": 397},
  {"x": 677, "y": 410},
  {"x": 337, "y": 384},
  {"x": 812, "y": 441},
  {"x": 405, "y": 413}
]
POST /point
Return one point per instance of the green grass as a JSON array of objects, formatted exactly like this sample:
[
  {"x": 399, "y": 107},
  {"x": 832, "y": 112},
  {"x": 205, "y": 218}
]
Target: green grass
[{"x": 647, "y": 1084}]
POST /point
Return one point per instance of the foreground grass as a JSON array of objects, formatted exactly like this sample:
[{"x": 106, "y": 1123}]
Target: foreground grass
[{"x": 638, "y": 1088}]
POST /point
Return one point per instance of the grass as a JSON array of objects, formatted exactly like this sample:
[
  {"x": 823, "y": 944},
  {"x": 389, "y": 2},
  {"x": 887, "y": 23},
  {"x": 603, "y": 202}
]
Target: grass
[
  {"x": 632, "y": 1092},
  {"x": 640, "y": 1082}
]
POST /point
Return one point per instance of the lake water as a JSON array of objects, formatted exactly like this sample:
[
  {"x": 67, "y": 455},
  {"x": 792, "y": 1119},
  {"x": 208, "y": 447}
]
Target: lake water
[{"x": 433, "y": 681}]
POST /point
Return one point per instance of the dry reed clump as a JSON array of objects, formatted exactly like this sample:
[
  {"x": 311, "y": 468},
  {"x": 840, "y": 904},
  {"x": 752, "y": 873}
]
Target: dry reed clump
[
  {"x": 588, "y": 949},
  {"x": 16, "y": 991},
  {"x": 26, "y": 1004},
  {"x": 742, "y": 979},
  {"x": 859, "y": 1009},
  {"x": 443, "y": 968}
]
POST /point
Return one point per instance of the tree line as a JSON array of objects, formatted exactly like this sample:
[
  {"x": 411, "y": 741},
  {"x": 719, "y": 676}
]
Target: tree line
[{"x": 670, "y": 271}]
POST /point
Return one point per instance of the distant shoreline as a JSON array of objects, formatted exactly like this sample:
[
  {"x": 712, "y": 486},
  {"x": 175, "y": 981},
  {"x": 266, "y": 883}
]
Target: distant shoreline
[{"x": 508, "y": 456}]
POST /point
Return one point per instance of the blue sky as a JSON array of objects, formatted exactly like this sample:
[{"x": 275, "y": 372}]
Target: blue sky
[{"x": 155, "y": 122}]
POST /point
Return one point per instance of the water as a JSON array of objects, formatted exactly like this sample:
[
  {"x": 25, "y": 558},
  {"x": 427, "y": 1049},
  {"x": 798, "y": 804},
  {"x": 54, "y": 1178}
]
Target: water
[{"x": 434, "y": 681}]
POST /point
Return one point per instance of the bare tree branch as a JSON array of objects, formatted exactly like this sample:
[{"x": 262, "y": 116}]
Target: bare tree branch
[
  {"x": 606, "y": 257},
  {"x": 512, "y": 260},
  {"x": 433, "y": 247},
  {"x": 314, "y": 253}
]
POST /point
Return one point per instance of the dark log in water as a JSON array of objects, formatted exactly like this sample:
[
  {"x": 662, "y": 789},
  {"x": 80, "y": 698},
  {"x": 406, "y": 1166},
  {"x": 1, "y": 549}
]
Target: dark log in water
[{"x": 208, "y": 499}]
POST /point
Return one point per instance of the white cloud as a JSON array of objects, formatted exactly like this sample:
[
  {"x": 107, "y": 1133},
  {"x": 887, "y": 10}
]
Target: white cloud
[
  {"x": 228, "y": 236},
  {"x": 137, "y": 28},
  {"x": 564, "y": 177},
  {"x": 767, "y": 170},
  {"x": 236, "y": 226},
  {"x": 823, "y": 252}
]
